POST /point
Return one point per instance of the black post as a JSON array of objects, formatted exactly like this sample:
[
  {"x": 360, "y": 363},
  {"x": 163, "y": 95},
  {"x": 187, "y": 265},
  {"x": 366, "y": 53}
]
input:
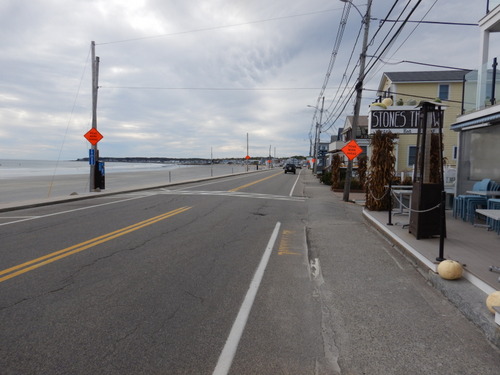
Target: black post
[
  {"x": 493, "y": 82},
  {"x": 390, "y": 202},
  {"x": 442, "y": 231},
  {"x": 462, "y": 111}
]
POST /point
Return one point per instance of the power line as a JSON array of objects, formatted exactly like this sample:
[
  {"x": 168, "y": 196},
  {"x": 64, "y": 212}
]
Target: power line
[
  {"x": 434, "y": 65},
  {"x": 341, "y": 105},
  {"x": 392, "y": 40},
  {"x": 210, "y": 88},
  {"x": 412, "y": 31},
  {"x": 417, "y": 96},
  {"x": 338, "y": 40},
  {"x": 420, "y": 63},
  {"x": 213, "y": 28},
  {"x": 432, "y": 22}
]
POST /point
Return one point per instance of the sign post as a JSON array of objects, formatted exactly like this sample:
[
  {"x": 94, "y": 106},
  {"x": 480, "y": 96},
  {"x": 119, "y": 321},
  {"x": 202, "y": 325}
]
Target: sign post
[{"x": 93, "y": 136}]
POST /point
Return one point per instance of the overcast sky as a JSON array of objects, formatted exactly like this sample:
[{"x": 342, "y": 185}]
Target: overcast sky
[{"x": 180, "y": 78}]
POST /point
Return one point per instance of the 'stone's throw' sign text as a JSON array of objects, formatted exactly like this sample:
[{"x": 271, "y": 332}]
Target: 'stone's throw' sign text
[{"x": 398, "y": 120}]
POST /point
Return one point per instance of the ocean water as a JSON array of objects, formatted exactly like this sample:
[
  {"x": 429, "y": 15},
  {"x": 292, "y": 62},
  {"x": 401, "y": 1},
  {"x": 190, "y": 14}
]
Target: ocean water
[{"x": 10, "y": 168}]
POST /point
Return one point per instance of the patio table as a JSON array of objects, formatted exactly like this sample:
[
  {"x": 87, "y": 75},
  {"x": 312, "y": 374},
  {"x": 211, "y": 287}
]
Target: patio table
[
  {"x": 400, "y": 193},
  {"x": 493, "y": 214},
  {"x": 486, "y": 193}
]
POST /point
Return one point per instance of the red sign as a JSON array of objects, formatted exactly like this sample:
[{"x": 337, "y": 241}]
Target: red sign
[
  {"x": 352, "y": 149},
  {"x": 247, "y": 157},
  {"x": 93, "y": 136}
]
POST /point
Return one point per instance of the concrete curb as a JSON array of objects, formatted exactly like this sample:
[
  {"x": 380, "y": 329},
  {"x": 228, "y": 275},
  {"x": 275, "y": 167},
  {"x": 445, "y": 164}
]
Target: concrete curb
[{"x": 471, "y": 303}]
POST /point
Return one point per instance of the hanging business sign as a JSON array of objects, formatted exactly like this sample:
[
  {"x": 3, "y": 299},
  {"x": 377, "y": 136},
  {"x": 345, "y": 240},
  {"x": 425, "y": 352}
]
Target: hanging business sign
[{"x": 398, "y": 119}]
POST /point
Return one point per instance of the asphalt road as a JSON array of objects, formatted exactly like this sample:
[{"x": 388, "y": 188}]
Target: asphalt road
[
  {"x": 255, "y": 274},
  {"x": 152, "y": 282}
]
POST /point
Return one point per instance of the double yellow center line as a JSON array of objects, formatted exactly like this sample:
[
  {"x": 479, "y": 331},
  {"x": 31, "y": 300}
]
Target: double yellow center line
[{"x": 52, "y": 257}]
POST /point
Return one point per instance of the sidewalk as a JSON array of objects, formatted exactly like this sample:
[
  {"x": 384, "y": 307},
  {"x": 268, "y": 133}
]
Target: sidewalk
[{"x": 474, "y": 247}]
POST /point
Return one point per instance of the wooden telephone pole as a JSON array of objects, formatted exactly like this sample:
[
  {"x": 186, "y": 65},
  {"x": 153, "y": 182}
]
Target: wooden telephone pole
[
  {"x": 359, "y": 94},
  {"x": 94, "y": 150}
]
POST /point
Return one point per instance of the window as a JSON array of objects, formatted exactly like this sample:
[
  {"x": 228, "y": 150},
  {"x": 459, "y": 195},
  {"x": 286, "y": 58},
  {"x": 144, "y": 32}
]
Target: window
[
  {"x": 444, "y": 92},
  {"x": 412, "y": 155}
]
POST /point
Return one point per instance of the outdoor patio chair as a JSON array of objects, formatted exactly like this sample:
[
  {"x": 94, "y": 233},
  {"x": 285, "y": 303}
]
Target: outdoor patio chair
[
  {"x": 494, "y": 186},
  {"x": 472, "y": 203},
  {"x": 464, "y": 206},
  {"x": 482, "y": 185},
  {"x": 493, "y": 204}
]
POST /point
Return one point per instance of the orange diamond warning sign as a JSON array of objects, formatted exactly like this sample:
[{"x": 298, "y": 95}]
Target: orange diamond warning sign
[
  {"x": 352, "y": 149},
  {"x": 93, "y": 136}
]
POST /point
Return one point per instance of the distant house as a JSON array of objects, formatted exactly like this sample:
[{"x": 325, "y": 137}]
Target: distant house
[
  {"x": 409, "y": 88},
  {"x": 344, "y": 135},
  {"x": 362, "y": 136}
]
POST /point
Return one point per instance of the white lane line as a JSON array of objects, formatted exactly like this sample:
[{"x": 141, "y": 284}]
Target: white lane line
[
  {"x": 232, "y": 194},
  {"x": 227, "y": 355},
  {"x": 68, "y": 211},
  {"x": 296, "y": 180}
]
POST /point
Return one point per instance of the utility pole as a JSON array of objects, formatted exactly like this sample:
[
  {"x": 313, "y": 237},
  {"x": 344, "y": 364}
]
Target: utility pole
[
  {"x": 94, "y": 150},
  {"x": 318, "y": 137},
  {"x": 359, "y": 94}
]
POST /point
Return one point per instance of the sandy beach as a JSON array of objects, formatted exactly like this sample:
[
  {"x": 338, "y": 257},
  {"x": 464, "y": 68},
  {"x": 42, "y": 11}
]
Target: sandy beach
[{"x": 22, "y": 189}]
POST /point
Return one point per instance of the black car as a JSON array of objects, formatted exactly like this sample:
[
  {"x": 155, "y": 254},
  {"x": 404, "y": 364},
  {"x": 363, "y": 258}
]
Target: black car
[{"x": 289, "y": 168}]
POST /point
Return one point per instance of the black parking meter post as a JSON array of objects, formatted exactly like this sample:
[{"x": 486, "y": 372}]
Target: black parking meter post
[{"x": 442, "y": 230}]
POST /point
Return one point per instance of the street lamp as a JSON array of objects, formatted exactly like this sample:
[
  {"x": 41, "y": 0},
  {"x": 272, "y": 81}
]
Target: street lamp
[
  {"x": 355, "y": 7},
  {"x": 317, "y": 135},
  {"x": 359, "y": 92}
]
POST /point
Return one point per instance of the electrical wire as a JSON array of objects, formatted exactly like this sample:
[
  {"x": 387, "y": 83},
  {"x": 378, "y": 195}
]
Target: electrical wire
[
  {"x": 210, "y": 88},
  {"x": 213, "y": 28},
  {"x": 69, "y": 122},
  {"x": 422, "y": 63},
  {"x": 341, "y": 105},
  {"x": 411, "y": 32},
  {"x": 370, "y": 62},
  {"x": 338, "y": 94},
  {"x": 418, "y": 96},
  {"x": 336, "y": 47},
  {"x": 385, "y": 48}
]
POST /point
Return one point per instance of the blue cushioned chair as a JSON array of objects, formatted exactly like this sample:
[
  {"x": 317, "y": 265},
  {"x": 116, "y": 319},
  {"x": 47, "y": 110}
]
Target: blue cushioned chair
[
  {"x": 464, "y": 206},
  {"x": 493, "y": 204}
]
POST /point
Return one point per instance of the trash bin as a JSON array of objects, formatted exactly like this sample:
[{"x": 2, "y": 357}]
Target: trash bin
[{"x": 99, "y": 175}]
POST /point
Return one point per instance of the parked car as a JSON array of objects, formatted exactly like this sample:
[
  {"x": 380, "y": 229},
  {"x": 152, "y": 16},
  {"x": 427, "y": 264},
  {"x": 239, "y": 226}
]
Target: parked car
[{"x": 289, "y": 167}]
